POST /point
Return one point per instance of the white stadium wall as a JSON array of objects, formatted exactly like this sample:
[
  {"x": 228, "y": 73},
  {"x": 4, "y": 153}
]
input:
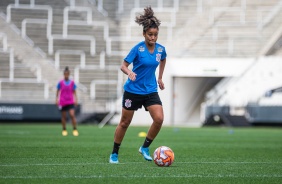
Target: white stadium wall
[{"x": 186, "y": 81}]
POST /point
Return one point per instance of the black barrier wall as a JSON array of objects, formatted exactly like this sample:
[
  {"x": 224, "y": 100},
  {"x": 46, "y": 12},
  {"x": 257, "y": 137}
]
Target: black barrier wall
[{"x": 31, "y": 112}]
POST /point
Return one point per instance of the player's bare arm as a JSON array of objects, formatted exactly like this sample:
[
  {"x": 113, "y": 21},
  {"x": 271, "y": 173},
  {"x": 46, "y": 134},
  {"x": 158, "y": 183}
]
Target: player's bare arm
[
  {"x": 75, "y": 98},
  {"x": 161, "y": 71},
  {"x": 125, "y": 70},
  {"x": 57, "y": 97}
]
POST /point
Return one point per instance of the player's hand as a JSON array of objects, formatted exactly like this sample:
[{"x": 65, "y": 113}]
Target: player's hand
[
  {"x": 161, "y": 84},
  {"x": 132, "y": 76},
  {"x": 75, "y": 103},
  {"x": 57, "y": 102}
]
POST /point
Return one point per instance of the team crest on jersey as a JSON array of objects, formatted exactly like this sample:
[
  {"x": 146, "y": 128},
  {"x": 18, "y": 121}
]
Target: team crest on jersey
[
  {"x": 160, "y": 49},
  {"x": 141, "y": 49},
  {"x": 127, "y": 103},
  {"x": 158, "y": 57}
]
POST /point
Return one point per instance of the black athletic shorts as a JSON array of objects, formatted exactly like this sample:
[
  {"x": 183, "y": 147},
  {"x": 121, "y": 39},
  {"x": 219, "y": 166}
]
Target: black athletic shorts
[
  {"x": 67, "y": 107},
  {"x": 131, "y": 101}
]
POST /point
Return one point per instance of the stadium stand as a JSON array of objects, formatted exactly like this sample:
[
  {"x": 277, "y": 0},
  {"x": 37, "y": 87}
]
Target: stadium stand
[
  {"x": 59, "y": 30},
  {"x": 252, "y": 85},
  {"x": 39, "y": 38}
]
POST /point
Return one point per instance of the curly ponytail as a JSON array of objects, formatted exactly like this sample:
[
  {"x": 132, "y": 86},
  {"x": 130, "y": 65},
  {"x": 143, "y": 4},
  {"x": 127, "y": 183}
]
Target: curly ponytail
[{"x": 148, "y": 20}]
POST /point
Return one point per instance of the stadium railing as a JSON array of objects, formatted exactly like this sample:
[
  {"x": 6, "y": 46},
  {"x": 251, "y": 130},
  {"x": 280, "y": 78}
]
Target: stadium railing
[
  {"x": 58, "y": 53},
  {"x": 36, "y": 21},
  {"x": 100, "y": 6},
  {"x": 82, "y": 55},
  {"x": 272, "y": 13},
  {"x": 269, "y": 45},
  {"x": 88, "y": 11},
  {"x": 3, "y": 36},
  {"x": 98, "y": 68},
  {"x": 103, "y": 82},
  {"x": 83, "y": 23},
  {"x": 10, "y": 51},
  {"x": 31, "y": 2},
  {"x": 109, "y": 41},
  {"x": 88, "y": 22},
  {"x": 30, "y": 7},
  {"x": 38, "y": 72},
  {"x": 240, "y": 11},
  {"x": 12, "y": 65},
  {"x": 91, "y": 39}
]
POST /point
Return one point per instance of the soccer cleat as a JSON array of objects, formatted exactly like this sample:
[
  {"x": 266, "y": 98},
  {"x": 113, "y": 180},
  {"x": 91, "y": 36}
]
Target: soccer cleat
[
  {"x": 145, "y": 153},
  {"x": 113, "y": 158},
  {"x": 64, "y": 133},
  {"x": 75, "y": 133}
]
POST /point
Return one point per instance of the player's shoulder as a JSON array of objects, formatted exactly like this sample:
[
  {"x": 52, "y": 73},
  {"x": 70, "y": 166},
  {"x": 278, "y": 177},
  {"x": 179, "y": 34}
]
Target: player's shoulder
[
  {"x": 72, "y": 81},
  {"x": 140, "y": 46},
  {"x": 160, "y": 47}
]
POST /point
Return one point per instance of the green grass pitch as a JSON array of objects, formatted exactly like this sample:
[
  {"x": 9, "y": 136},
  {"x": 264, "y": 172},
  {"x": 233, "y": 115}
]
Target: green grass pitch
[{"x": 39, "y": 154}]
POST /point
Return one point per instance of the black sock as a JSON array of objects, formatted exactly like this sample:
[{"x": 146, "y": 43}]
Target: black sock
[
  {"x": 74, "y": 128},
  {"x": 116, "y": 148},
  {"x": 64, "y": 128},
  {"x": 147, "y": 142}
]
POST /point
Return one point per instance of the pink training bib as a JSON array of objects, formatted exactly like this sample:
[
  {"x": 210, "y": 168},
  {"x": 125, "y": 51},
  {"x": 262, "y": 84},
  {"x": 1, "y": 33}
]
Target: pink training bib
[{"x": 66, "y": 93}]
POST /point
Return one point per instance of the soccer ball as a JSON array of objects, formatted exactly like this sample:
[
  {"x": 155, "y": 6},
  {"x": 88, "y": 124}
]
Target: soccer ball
[{"x": 163, "y": 156}]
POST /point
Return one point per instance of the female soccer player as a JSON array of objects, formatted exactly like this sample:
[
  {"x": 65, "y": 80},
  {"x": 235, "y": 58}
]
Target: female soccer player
[
  {"x": 141, "y": 87},
  {"x": 66, "y": 99}
]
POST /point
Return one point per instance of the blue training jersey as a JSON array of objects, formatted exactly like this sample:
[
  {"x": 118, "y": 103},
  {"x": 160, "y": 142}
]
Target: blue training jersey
[
  {"x": 66, "y": 83},
  {"x": 144, "y": 65}
]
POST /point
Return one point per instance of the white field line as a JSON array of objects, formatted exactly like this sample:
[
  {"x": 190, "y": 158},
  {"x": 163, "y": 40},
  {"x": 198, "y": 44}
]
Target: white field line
[
  {"x": 64, "y": 164},
  {"x": 147, "y": 176},
  {"x": 125, "y": 163}
]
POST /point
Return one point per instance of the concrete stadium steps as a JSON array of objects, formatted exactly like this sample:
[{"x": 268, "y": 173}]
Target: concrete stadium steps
[
  {"x": 4, "y": 65},
  {"x": 219, "y": 51},
  {"x": 74, "y": 45},
  {"x": 37, "y": 36},
  {"x": 37, "y": 33},
  {"x": 98, "y": 105},
  {"x": 104, "y": 92},
  {"x": 273, "y": 25},
  {"x": 86, "y": 30},
  {"x": 256, "y": 3},
  {"x": 278, "y": 52},
  {"x": 87, "y": 75},
  {"x": 229, "y": 28},
  {"x": 22, "y": 91},
  {"x": 20, "y": 70},
  {"x": 74, "y": 60}
]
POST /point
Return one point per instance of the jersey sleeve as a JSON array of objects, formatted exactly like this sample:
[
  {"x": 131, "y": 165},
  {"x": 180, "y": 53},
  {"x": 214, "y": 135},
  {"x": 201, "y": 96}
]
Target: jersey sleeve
[
  {"x": 58, "y": 86},
  {"x": 132, "y": 55},
  {"x": 163, "y": 54}
]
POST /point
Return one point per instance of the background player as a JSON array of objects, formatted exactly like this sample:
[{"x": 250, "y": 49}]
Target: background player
[
  {"x": 141, "y": 87},
  {"x": 66, "y": 99}
]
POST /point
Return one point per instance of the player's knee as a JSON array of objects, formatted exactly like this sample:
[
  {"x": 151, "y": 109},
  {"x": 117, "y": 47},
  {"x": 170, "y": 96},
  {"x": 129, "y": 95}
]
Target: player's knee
[
  {"x": 125, "y": 122},
  {"x": 159, "y": 120},
  {"x": 72, "y": 116}
]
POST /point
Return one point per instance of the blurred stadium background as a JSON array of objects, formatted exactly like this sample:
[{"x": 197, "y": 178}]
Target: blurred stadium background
[{"x": 224, "y": 61}]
